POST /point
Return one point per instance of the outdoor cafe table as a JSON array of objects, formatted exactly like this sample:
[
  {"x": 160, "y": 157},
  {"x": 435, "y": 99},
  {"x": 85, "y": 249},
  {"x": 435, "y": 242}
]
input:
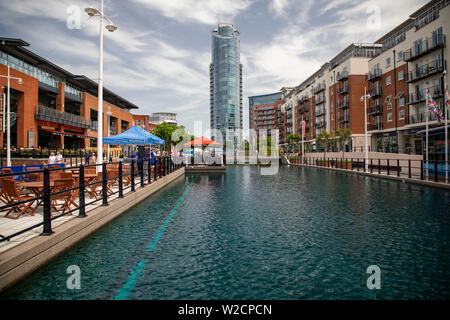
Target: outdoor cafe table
[{"x": 37, "y": 187}]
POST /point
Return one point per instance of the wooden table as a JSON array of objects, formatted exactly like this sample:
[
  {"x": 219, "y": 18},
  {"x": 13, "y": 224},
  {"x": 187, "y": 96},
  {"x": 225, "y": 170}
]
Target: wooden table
[{"x": 37, "y": 187}]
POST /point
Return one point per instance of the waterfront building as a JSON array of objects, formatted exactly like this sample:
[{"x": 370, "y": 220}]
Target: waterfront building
[
  {"x": 160, "y": 117},
  {"x": 143, "y": 121},
  {"x": 52, "y": 107},
  {"x": 263, "y": 111},
  {"x": 225, "y": 80},
  {"x": 412, "y": 62}
]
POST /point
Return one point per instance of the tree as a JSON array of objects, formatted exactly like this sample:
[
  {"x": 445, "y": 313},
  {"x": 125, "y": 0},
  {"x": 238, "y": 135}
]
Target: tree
[
  {"x": 324, "y": 139},
  {"x": 343, "y": 134},
  {"x": 166, "y": 131},
  {"x": 293, "y": 138}
]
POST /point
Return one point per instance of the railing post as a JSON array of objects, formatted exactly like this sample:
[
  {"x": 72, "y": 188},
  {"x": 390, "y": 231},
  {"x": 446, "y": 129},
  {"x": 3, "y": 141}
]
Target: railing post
[
  {"x": 141, "y": 166},
  {"x": 132, "y": 175},
  {"x": 398, "y": 168},
  {"x": 120, "y": 180},
  {"x": 47, "y": 230},
  {"x": 409, "y": 168},
  {"x": 421, "y": 169},
  {"x": 104, "y": 185},
  {"x": 81, "y": 195},
  {"x": 357, "y": 161},
  {"x": 149, "y": 166},
  {"x": 379, "y": 166},
  {"x": 435, "y": 171},
  {"x": 388, "y": 168},
  {"x": 160, "y": 166},
  {"x": 155, "y": 171},
  {"x": 371, "y": 165},
  {"x": 364, "y": 164}
]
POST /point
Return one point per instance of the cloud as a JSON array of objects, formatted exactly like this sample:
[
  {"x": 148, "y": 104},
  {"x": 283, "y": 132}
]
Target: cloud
[
  {"x": 279, "y": 6},
  {"x": 202, "y": 11}
]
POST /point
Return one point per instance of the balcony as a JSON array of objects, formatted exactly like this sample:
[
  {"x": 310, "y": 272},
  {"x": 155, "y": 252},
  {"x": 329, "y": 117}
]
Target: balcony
[
  {"x": 321, "y": 124},
  {"x": 421, "y": 117},
  {"x": 427, "y": 46},
  {"x": 320, "y": 112},
  {"x": 374, "y": 74},
  {"x": 342, "y": 75},
  {"x": 424, "y": 71},
  {"x": 319, "y": 88},
  {"x": 320, "y": 99},
  {"x": 375, "y": 110},
  {"x": 375, "y": 92},
  {"x": 342, "y": 104},
  {"x": 343, "y": 118},
  {"x": 55, "y": 116},
  {"x": 421, "y": 95},
  {"x": 302, "y": 99},
  {"x": 343, "y": 89},
  {"x": 375, "y": 126}
]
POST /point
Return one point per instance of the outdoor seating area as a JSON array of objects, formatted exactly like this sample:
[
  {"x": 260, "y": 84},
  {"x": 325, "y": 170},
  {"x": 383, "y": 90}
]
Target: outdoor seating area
[{"x": 33, "y": 200}]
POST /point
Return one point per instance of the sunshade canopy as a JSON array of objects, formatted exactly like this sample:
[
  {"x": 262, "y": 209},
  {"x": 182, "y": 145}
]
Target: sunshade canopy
[
  {"x": 134, "y": 135},
  {"x": 202, "y": 142}
]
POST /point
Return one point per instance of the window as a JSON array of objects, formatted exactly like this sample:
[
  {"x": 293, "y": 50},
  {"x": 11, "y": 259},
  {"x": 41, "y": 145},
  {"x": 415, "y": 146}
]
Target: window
[
  {"x": 388, "y": 81},
  {"x": 388, "y": 101},
  {"x": 388, "y": 62},
  {"x": 400, "y": 56},
  {"x": 389, "y": 117},
  {"x": 401, "y": 115},
  {"x": 331, "y": 91},
  {"x": 400, "y": 75},
  {"x": 401, "y": 102}
]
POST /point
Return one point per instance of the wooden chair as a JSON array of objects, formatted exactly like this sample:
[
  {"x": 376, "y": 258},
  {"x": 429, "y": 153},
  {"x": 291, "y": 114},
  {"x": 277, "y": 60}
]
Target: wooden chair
[
  {"x": 12, "y": 194},
  {"x": 67, "y": 196}
]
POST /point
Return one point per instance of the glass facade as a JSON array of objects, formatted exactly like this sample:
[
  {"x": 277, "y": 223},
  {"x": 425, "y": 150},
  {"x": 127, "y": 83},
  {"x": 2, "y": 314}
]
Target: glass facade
[{"x": 226, "y": 80}]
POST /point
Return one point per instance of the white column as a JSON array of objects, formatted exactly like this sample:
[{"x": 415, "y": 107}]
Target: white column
[{"x": 100, "y": 96}]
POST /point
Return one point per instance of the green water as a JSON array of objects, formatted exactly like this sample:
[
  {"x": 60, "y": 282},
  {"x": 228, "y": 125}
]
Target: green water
[{"x": 304, "y": 233}]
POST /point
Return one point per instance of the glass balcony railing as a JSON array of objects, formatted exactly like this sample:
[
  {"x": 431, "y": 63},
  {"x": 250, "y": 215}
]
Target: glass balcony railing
[
  {"x": 426, "y": 70},
  {"x": 374, "y": 74},
  {"x": 429, "y": 45},
  {"x": 421, "y": 95},
  {"x": 53, "y": 115}
]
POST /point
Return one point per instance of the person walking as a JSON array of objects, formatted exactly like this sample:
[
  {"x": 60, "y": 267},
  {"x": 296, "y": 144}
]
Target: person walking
[{"x": 52, "y": 158}]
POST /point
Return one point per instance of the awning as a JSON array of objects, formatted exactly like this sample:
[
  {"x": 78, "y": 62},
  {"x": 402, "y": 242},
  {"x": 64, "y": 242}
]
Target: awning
[
  {"x": 66, "y": 134},
  {"x": 134, "y": 135},
  {"x": 202, "y": 141}
]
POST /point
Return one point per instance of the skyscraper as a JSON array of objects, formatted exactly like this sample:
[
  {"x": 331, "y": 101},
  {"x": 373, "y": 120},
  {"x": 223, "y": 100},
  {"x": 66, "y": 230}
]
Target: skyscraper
[{"x": 225, "y": 73}]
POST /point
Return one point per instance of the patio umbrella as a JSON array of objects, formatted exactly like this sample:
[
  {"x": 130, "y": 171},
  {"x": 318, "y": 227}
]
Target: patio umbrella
[{"x": 202, "y": 141}]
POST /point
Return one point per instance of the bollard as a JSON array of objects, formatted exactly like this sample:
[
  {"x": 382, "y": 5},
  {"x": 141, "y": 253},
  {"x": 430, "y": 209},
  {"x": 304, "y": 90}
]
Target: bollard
[{"x": 81, "y": 195}]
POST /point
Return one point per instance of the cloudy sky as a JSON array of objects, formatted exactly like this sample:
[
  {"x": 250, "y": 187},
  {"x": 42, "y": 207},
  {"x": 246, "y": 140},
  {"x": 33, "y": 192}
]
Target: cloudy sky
[{"x": 159, "y": 57}]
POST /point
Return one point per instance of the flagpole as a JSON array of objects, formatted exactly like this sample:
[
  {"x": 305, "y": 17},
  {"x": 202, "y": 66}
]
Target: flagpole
[{"x": 426, "y": 139}]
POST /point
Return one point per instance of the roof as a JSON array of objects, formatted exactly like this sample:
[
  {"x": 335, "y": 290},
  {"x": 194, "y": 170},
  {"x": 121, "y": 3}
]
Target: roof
[{"x": 15, "y": 47}]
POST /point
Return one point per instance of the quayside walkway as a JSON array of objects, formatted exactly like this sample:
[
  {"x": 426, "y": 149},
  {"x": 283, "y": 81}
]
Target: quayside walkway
[{"x": 47, "y": 211}]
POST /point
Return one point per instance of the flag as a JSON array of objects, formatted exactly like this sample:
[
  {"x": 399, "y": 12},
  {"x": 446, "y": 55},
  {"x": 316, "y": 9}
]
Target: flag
[
  {"x": 433, "y": 107},
  {"x": 448, "y": 97}
]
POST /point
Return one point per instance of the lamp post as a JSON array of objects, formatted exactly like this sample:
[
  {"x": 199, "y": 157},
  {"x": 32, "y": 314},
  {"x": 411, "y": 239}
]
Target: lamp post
[
  {"x": 366, "y": 152},
  {"x": 91, "y": 11},
  {"x": 109, "y": 132},
  {"x": 8, "y": 116}
]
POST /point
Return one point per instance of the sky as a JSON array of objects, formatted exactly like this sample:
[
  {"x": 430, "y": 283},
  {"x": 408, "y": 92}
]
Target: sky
[{"x": 160, "y": 54}]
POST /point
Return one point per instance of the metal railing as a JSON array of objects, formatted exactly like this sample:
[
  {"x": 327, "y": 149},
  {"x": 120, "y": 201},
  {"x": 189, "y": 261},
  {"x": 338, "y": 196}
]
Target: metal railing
[
  {"x": 113, "y": 181},
  {"x": 403, "y": 168},
  {"x": 427, "y": 46},
  {"x": 375, "y": 73},
  {"x": 52, "y": 115},
  {"x": 425, "y": 71}
]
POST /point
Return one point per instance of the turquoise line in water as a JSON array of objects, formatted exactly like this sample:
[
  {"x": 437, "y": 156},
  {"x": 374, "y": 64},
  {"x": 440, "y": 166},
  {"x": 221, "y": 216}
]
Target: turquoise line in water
[{"x": 136, "y": 272}]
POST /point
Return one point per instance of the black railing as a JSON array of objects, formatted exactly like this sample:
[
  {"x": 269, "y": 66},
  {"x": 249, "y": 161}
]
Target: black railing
[
  {"x": 403, "y": 168},
  {"x": 73, "y": 186}
]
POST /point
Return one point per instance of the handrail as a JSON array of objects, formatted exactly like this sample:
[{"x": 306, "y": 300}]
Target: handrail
[{"x": 144, "y": 168}]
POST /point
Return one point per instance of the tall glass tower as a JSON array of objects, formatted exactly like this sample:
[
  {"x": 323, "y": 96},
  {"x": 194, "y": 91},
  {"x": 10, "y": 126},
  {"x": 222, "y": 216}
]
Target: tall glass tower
[{"x": 225, "y": 73}]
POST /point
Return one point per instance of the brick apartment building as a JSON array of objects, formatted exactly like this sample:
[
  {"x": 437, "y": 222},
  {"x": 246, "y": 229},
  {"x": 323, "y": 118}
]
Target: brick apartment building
[
  {"x": 412, "y": 62},
  {"x": 54, "y": 108},
  {"x": 397, "y": 71}
]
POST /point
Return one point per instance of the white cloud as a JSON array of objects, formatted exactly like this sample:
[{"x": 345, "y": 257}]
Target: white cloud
[
  {"x": 203, "y": 11},
  {"x": 279, "y": 6}
]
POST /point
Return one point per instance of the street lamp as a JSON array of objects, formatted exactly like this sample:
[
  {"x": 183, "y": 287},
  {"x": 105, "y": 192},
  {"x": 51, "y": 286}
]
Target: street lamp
[
  {"x": 109, "y": 130},
  {"x": 91, "y": 11},
  {"x": 8, "y": 114},
  {"x": 366, "y": 154}
]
